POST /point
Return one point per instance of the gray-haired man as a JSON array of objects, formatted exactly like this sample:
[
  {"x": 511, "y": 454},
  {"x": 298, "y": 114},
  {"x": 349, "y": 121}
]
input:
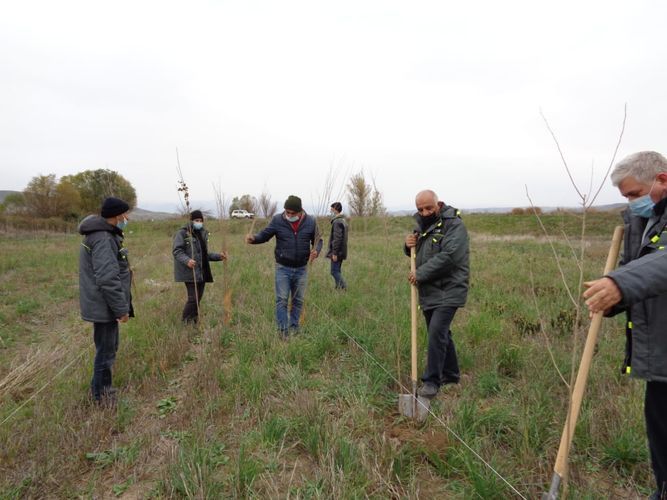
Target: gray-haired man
[{"x": 639, "y": 288}]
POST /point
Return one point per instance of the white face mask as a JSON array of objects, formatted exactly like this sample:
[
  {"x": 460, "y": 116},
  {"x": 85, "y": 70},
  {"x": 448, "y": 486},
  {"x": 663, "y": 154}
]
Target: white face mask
[
  {"x": 198, "y": 225},
  {"x": 294, "y": 218}
]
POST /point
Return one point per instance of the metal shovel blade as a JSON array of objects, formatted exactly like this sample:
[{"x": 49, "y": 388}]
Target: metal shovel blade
[
  {"x": 553, "y": 490},
  {"x": 413, "y": 406}
]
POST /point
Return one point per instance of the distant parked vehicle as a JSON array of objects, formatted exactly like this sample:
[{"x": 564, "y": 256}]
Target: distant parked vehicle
[{"x": 242, "y": 214}]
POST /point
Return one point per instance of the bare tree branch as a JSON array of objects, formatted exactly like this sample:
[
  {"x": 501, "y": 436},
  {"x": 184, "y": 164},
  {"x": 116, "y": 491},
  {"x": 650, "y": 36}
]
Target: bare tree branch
[
  {"x": 562, "y": 157},
  {"x": 613, "y": 157}
]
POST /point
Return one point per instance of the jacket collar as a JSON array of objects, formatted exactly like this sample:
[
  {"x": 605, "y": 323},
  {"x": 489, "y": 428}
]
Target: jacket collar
[{"x": 659, "y": 208}]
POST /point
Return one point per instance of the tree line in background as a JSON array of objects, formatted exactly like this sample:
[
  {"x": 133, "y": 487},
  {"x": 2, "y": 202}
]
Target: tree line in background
[
  {"x": 70, "y": 197},
  {"x": 76, "y": 195},
  {"x": 363, "y": 199}
]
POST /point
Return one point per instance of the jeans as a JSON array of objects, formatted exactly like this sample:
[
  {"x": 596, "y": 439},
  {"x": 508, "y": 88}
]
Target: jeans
[
  {"x": 337, "y": 274},
  {"x": 289, "y": 280},
  {"x": 442, "y": 366},
  {"x": 655, "y": 409},
  {"x": 191, "y": 309},
  {"x": 106, "y": 345}
]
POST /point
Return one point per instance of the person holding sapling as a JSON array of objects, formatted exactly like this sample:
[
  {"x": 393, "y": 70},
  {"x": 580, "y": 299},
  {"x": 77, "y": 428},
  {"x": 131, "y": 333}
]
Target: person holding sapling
[
  {"x": 192, "y": 263},
  {"x": 298, "y": 242},
  {"x": 104, "y": 289},
  {"x": 441, "y": 247},
  {"x": 639, "y": 288}
]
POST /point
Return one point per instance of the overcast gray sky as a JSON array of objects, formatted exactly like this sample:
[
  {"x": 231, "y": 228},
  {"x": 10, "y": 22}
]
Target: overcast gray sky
[{"x": 270, "y": 95}]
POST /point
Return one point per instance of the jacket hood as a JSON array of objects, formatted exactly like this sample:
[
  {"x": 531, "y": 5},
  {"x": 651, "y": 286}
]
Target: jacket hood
[
  {"x": 446, "y": 212},
  {"x": 95, "y": 223}
]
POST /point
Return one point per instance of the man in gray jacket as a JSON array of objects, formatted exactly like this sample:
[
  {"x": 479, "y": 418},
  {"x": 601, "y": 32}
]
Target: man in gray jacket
[
  {"x": 192, "y": 263},
  {"x": 104, "y": 289},
  {"x": 639, "y": 288},
  {"x": 338, "y": 244},
  {"x": 441, "y": 242}
]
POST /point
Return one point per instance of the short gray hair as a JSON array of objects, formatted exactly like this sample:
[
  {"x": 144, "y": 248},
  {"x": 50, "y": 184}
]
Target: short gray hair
[{"x": 643, "y": 166}]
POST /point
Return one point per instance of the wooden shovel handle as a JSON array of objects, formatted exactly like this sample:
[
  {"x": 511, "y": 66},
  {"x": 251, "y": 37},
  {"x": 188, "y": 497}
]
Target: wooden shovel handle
[
  {"x": 584, "y": 367},
  {"x": 252, "y": 226},
  {"x": 413, "y": 317}
]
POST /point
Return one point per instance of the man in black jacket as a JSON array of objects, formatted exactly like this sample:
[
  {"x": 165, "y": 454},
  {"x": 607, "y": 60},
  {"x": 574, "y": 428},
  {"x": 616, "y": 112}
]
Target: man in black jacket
[
  {"x": 639, "y": 288},
  {"x": 298, "y": 242},
  {"x": 441, "y": 242},
  {"x": 104, "y": 289},
  {"x": 338, "y": 244}
]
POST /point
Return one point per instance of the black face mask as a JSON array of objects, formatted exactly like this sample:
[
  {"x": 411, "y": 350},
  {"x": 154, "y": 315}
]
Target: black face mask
[{"x": 428, "y": 221}]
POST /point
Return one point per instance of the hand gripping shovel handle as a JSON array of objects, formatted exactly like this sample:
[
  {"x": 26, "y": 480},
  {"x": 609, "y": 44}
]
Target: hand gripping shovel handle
[{"x": 560, "y": 468}]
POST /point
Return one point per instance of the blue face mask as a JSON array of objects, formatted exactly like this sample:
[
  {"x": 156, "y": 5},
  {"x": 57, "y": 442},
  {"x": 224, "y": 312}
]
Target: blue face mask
[
  {"x": 198, "y": 225},
  {"x": 294, "y": 218},
  {"x": 121, "y": 224},
  {"x": 642, "y": 206}
]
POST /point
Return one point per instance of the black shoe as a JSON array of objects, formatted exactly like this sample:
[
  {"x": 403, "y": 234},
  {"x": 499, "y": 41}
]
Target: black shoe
[{"x": 428, "y": 390}]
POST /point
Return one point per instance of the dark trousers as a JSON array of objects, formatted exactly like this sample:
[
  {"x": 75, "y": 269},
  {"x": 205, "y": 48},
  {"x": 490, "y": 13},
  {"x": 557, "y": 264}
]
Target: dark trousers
[
  {"x": 442, "y": 366},
  {"x": 106, "y": 346},
  {"x": 655, "y": 412},
  {"x": 191, "y": 309},
  {"x": 336, "y": 272}
]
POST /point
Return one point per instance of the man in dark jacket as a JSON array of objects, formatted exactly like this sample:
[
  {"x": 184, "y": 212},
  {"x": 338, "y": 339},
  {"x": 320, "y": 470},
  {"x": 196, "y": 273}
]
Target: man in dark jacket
[
  {"x": 192, "y": 263},
  {"x": 639, "y": 288},
  {"x": 104, "y": 288},
  {"x": 441, "y": 242},
  {"x": 298, "y": 242},
  {"x": 337, "y": 244}
]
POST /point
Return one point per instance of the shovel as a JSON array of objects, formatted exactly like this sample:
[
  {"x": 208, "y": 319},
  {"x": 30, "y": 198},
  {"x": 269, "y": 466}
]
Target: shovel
[
  {"x": 560, "y": 468},
  {"x": 412, "y": 405}
]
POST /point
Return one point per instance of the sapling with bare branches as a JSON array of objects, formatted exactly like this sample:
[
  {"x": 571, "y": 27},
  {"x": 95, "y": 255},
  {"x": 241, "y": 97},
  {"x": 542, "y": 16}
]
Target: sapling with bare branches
[
  {"x": 332, "y": 190},
  {"x": 183, "y": 188},
  {"x": 586, "y": 199},
  {"x": 222, "y": 208}
]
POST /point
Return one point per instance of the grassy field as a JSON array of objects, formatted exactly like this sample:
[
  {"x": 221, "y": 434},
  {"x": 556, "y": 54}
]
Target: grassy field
[{"x": 229, "y": 410}]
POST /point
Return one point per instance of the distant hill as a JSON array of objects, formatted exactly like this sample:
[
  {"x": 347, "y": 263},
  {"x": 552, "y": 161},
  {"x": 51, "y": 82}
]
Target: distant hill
[
  {"x": 141, "y": 214},
  {"x": 505, "y": 210},
  {"x": 3, "y": 194}
]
